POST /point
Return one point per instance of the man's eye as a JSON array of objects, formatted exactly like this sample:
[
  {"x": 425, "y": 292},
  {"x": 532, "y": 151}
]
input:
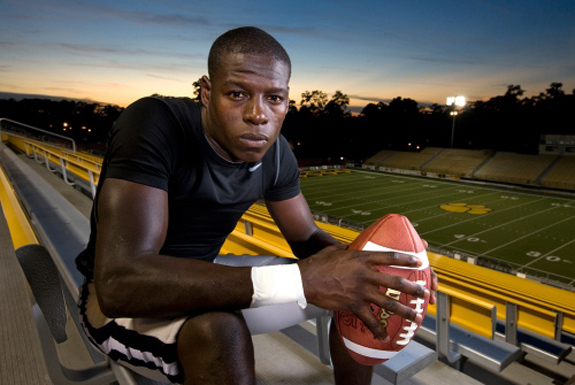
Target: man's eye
[
  {"x": 235, "y": 94},
  {"x": 276, "y": 99}
]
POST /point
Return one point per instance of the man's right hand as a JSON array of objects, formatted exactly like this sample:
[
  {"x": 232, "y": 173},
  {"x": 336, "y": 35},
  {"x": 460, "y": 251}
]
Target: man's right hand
[{"x": 340, "y": 279}]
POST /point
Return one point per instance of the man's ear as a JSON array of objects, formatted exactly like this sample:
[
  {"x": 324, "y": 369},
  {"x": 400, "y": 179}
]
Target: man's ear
[{"x": 205, "y": 89}]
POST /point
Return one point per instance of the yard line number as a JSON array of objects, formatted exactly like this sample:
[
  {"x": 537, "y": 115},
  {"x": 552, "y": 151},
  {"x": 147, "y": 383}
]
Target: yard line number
[{"x": 550, "y": 258}]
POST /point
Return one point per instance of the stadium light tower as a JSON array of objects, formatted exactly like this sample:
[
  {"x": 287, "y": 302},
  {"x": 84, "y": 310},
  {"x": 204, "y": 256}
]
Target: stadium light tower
[{"x": 454, "y": 101}]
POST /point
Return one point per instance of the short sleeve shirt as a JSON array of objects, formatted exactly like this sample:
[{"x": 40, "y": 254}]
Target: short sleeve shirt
[{"x": 160, "y": 142}]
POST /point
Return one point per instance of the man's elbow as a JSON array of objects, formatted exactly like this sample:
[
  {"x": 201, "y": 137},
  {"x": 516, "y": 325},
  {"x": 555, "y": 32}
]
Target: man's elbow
[
  {"x": 113, "y": 297},
  {"x": 110, "y": 301}
]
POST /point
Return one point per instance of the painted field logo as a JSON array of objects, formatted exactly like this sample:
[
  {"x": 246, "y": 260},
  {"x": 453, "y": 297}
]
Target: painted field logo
[{"x": 462, "y": 207}]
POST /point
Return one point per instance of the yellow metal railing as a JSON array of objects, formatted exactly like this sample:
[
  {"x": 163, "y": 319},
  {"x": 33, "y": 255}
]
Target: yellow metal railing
[
  {"x": 20, "y": 229},
  {"x": 86, "y": 167},
  {"x": 470, "y": 313},
  {"x": 540, "y": 308},
  {"x": 478, "y": 296},
  {"x": 75, "y": 163}
]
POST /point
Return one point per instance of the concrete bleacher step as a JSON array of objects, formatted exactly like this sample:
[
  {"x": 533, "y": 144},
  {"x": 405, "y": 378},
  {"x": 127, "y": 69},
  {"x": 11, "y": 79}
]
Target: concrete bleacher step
[
  {"x": 414, "y": 358},
  {"x": 21, "y": 360},
  {"x": 547, "y": 169},
  {"x": 422, "y": 167},
  {"x": 397, "y": 370},
  {"x": 486, "y": 161}
]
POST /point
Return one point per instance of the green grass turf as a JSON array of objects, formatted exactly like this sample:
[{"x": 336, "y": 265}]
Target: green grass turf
[{"x": 532, "y": 232}]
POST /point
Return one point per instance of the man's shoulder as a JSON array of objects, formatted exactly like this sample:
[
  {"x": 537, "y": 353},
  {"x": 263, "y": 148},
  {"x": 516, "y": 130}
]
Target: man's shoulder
[
  {"x": 186, "y": 111},
  {"x": 178, "y": 104},
  {"x": 155, "y": 103}
]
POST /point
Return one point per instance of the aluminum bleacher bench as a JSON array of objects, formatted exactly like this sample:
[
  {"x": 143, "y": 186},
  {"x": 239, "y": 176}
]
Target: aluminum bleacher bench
[
  {"x": 545, "y": 348},
  {"x": 455, "y": 344}
]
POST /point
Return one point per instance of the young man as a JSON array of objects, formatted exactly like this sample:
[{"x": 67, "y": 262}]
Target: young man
[{"x": 177, "y": 176}]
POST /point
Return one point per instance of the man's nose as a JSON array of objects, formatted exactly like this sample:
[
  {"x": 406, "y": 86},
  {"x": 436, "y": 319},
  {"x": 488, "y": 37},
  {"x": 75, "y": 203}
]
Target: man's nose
[{"x": 255, "y": 111}]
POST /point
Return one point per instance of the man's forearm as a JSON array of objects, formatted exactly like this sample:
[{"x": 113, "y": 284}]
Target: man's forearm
[
  {"x": 315, "y": 243},
  {"x": 163, "y": 286}
]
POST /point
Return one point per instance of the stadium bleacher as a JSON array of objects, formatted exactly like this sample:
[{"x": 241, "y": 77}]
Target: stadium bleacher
[
  {"x": 514, "y": 168},
  {"x": 379, "y": 157},
  {"x": 410, "y": 160},
  {"x": 457, "y": 162},
  {"x": 561, "y": 175},
  {"x": 551, "y": 171}
]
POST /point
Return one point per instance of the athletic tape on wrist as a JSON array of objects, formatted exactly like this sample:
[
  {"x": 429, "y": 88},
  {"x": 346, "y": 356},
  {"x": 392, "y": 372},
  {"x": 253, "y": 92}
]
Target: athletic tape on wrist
[{"x": 277, "y": 284}]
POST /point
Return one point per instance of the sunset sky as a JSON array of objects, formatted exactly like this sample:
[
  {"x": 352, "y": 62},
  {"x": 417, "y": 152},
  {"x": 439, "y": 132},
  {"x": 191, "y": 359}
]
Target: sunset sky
[{"x": 119, "y": 51}]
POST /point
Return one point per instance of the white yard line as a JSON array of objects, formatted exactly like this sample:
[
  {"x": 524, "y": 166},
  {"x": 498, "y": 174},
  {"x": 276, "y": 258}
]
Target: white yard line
[
  {"x": 466, "y": 184},
  {"x": 354, "y": 189},
  {"x": 551, "y": 252},
  {"x": 518, "y": 265},
  {"x": 416, "y": 180},
  {"x": 529, "y": 235},
  {"x": 401, "y": 197},
  {"x": 502, "y": 225},
  {"x": 382, "y": 182},
  {"x": 472, "y": 219},
  {"x": 387, "y": 200},
  {"x": 446, "y": 212}
]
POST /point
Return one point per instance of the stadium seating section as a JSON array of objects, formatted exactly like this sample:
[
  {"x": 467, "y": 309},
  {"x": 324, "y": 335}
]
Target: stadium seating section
[
  {"x": 549, "y": 171},
  {"x": 515, "y": 168},
  {"x": 561, "y": 175},
  {"x": 379, "y": 157},
  {"x": 457, "y": 162},
  {"x": 409, "y": 160}
]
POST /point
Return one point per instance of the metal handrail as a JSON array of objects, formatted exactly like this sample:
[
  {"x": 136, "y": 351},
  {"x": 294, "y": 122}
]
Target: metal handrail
[
  {"x": 45, "y": 155},
  {"x": 40, "y": 130}
]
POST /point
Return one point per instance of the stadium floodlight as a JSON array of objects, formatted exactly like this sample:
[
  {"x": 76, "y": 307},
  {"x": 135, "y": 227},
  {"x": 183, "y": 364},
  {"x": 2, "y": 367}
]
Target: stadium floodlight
[
  {"x": 454, "y": 101},
  {"x": 459, "y": 101}
]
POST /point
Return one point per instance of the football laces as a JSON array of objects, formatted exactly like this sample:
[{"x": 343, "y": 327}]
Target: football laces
[{"x": 412, "y": 326}]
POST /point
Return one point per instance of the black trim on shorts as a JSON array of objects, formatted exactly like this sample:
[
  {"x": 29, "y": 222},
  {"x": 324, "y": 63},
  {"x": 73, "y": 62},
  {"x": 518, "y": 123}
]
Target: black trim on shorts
[{"x": 130, "y": 339}]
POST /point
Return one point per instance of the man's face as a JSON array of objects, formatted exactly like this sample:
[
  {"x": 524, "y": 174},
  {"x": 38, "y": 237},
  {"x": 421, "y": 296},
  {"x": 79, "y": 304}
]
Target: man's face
[{"x": 245, "y": 105}]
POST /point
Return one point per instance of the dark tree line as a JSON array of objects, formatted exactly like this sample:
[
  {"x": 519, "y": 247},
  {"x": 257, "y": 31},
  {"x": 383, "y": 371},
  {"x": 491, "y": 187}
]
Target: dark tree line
[
  {"x": 512, "y": 123},
  {"x": 322, "y": 129},
  {"x": 87, "y": 123}
]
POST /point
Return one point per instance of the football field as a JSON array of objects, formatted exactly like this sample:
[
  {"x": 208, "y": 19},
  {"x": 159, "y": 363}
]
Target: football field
[{"x": 528, "y": 232}]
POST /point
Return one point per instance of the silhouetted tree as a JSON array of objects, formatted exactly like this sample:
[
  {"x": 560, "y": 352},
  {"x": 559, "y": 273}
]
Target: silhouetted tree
[
  {"x": 337, "y": 105},
  {"x": 313, "y": 101},
  {"x": 555, "y": 91},
  {"x": 197, "y": 84}
]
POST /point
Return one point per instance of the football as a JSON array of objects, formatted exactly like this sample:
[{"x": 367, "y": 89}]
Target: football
[{"x": 392, "y": 232}]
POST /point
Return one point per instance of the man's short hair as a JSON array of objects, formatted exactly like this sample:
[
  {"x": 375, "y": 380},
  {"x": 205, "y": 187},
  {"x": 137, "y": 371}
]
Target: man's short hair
[{"x": 248, "y": 41}]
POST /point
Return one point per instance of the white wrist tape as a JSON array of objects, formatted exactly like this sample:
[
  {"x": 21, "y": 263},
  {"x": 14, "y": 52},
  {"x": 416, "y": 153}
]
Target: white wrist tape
[{"x": 277, "y": 284}]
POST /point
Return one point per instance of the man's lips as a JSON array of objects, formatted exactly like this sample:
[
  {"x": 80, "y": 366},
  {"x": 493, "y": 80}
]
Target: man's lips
[{"x": 254, "y": 140}]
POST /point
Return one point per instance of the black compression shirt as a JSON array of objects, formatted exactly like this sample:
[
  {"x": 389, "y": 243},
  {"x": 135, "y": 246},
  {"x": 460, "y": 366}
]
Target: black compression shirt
[{"x": 160, "y": 142}]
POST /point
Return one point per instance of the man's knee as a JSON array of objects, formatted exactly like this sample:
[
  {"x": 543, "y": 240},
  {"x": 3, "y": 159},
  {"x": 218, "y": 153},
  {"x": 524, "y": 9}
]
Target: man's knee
[
  {"x": 216, "y": 348},
  {"x": 213, "y": 329}
]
